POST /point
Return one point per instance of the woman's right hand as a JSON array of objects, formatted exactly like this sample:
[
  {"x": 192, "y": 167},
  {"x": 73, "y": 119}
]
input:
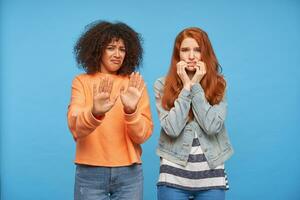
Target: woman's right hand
[
  {"x": 102, "y": 102},
  {"x": 186, "y": 81}
]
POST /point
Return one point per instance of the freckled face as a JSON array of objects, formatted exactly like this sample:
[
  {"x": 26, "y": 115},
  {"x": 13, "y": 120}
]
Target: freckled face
[{"x": 190, "y": 53}]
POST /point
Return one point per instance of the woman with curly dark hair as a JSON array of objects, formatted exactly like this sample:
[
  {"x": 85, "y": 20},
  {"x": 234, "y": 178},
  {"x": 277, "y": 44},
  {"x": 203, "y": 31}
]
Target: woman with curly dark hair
[{"x": 109, "y": 113}]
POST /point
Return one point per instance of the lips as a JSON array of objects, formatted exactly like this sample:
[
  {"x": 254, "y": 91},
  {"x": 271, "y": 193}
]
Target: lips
[
  {"x": 191, "y": 64},
  {"x": 117, "y": 62}
]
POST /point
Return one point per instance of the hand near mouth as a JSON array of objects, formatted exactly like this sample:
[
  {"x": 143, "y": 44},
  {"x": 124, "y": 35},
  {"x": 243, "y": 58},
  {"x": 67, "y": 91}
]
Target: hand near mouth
[
  {"x": 200, "y": 72},
  {"x": 183, "y": 75}
]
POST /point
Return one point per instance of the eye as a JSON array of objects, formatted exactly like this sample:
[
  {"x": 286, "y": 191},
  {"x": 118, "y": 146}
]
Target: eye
[
  {"x": 123, "y": 49},
  {"x": 197, "y": 49},
  {"x": 110, "y": 47},
  {"x": 184, "y": 49}
]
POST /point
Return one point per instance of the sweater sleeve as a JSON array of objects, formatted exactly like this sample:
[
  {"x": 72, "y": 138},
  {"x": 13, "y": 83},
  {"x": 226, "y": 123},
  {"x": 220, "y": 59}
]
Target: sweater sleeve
[
  {"x": 174, "y": 120},
  {"x": 81, "y": 121},
  {"x": 210, "y": 118},
  {"x": 139, "y": 124}
]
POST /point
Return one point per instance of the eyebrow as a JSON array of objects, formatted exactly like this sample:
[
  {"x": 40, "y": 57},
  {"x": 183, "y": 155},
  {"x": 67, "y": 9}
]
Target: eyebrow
[
  {"x": 113, "y": 45},
  {"x": 190, "y": 48}
]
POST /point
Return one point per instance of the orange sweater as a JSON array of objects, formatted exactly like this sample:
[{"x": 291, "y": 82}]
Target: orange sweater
[{"x": 114, "y": 140}]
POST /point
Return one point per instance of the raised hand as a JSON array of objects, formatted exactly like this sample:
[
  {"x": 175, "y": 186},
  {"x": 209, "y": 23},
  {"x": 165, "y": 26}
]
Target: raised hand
[
  {"x": 181, "y": 65},
  {"x": 102, "y": 101},
  {"x": 132, "y": 95},
  {"x": 200, "y": 72}
]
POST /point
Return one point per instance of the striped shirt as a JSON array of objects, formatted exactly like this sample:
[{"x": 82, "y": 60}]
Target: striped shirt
[{"x": 196, "y": 175}]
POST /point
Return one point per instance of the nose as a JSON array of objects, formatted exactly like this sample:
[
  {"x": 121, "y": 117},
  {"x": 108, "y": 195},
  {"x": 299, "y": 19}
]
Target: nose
[
  {"x": 117, "y": 53},
  {"x": 191, "y": 55}
]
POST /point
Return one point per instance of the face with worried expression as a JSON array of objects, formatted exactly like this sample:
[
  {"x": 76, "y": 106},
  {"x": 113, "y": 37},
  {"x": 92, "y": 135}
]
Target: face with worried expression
[
  {"x": 113, "y": 57},
  {"x": 190, "y": 53}
]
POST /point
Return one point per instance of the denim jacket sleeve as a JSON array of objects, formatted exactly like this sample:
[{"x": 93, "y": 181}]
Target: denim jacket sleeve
[
  {"x": 174, "y": 120},
  {"x": 210, "y": 118}
]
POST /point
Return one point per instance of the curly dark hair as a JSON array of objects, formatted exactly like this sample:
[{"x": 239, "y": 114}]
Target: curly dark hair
[{"x": 91, "y": 44}]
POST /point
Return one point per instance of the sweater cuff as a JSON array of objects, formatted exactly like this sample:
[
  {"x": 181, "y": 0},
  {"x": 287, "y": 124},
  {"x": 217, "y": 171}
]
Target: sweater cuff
[
  {"x": 196, "y": 88},
  {"x": 130, "y": 118},
  {"x": 185, "y": 94},
  {"x": 93, "y": 120}
]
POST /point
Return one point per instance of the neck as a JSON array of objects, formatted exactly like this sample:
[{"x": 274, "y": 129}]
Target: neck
[
  {"x": 190, "y": 74},
  {"x": 104, "y": 71}
]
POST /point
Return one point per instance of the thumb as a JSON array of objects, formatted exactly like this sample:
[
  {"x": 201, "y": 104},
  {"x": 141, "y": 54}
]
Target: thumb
[{"x": 115, "y": 99}]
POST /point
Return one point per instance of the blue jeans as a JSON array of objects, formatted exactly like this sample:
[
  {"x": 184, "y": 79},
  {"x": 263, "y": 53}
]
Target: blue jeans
[
  {"x": 167, "y": 193},
  {"x": 104, "y": 183}
]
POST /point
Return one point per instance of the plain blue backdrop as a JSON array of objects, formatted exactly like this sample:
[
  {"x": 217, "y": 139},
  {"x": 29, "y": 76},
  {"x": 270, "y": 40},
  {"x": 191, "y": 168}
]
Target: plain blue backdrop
[{"x": 256, "y": 42}]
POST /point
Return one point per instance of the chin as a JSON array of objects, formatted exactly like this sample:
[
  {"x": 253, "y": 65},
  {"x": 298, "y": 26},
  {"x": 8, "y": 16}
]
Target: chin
[{"x": 115, "y": 68}]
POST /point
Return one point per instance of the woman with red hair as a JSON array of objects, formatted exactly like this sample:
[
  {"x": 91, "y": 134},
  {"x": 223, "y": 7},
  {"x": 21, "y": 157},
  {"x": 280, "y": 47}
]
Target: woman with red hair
[{"x": 191, "y": 104}]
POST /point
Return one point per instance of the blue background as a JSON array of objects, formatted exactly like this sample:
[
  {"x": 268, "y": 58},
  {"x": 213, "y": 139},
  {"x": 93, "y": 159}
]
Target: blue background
[{"x": 257, "y": 44}]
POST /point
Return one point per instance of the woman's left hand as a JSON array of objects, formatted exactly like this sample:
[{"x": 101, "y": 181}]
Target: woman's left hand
[
  {"x": 200, "y": 72},
  {"x": 132, "y": 95}
]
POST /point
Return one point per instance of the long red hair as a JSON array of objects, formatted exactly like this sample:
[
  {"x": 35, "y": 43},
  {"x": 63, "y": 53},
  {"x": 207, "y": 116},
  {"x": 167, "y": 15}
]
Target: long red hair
[{"x": 213, "y": 82}]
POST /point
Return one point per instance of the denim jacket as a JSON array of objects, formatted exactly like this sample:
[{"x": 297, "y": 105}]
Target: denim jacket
[{"x": 176, "y": 135}]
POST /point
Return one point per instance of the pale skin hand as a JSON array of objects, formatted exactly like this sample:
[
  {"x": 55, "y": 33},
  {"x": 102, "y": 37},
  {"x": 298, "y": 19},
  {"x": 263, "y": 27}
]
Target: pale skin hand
[
  {"x": 181, "y": 65},
  {"x": 132, "y": 95},
  {"x": 102, "y": 101},
  {"x": 200, "y": 72}
]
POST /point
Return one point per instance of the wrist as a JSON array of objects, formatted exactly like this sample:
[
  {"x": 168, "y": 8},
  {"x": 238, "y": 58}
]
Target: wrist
[
  {"x": 187, "y": 87},
  {"x": 129, "y": 110},
  {"x": 98, "y": 115}
]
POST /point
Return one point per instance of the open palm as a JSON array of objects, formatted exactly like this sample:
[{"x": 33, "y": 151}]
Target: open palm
[
  {"x": 102, "y": 102},
  {"x": 132, "y": 95}
]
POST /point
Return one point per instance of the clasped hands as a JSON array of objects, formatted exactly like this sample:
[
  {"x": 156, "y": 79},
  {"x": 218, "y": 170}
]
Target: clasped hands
[
  {"x": 200, "y": 71},
  {"x": 130, "y": 96}
]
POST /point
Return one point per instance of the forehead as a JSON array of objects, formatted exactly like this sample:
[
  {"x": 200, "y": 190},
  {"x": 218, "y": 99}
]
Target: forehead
[
  {"x": 189, "y": 42},
  {"x": 116, "y": 41}
]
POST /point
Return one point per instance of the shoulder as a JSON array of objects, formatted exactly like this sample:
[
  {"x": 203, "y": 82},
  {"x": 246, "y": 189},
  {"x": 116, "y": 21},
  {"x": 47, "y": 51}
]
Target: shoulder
[
  {"x": 85, "y": 79},
  {"x": 159, "y": 86},
  {"x": 159, "y": 83},
  {"x": 82, "y": 77}
]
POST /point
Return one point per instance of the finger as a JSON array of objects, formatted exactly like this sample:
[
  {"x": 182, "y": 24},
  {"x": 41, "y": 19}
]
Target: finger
[
  {"x": 198, "y": 69},
  {"x": 130, "y": 84},
  {"x": 133, "y": 80},
  {"x": 101, "y": 85},
  {"x": 122, "y": 89},
  {"x": 178, "y": 65},
  {"x": 184, "y": 65},
  {"x": 183, "y": 69},
  {"x": 177, "y": 69},
  {"x": 201, "y": 65},
  {"x": 142, "y": 88},
  {"x": 115, "y": 99},
  {"x": 136, "y": 79},
  {"x": 94, "y": 89},
  {"x": 139, "y": 80},
  {"x": 110, "y": 85},
  {"x": 141, "y": 84},
  {"x": 180, "y": 69},
  {"x": 204, "y": 68},
  {"x": 106, "y": 86}
]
